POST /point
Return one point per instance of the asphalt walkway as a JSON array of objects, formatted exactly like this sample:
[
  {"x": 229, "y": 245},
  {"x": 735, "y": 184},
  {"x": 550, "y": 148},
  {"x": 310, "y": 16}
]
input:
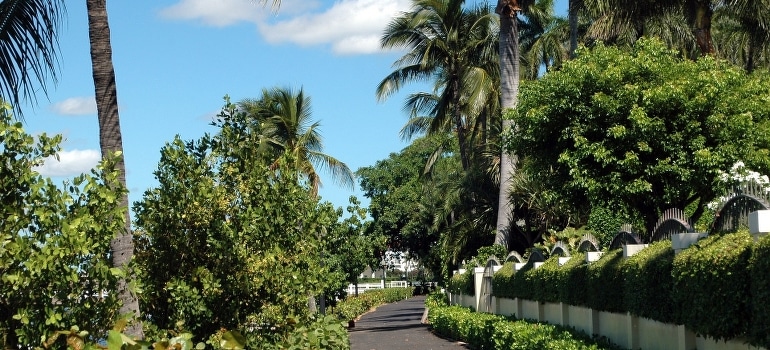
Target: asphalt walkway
[{"x": 397, "y": 326}]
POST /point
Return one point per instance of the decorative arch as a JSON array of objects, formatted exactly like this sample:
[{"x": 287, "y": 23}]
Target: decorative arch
[
  {"x": 535, "y": 255},
  {"x": 514, "y": 257},
  {"x": 560, "y": 249},
  {"x": 588, "y": 243},
  {"x": 672, "y": 221},
  {"x": 733, "y": 211},
  {"x": 625, "y": 236}
]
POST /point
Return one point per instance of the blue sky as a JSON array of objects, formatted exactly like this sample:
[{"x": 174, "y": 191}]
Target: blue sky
[{"x": 175, "y": 60}]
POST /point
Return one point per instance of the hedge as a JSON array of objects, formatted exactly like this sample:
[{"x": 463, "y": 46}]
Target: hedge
[
  {"x": 711, "y": 285},
  {"x": 604, "y": 280},
  {"x": 648, "y": 283},
  {"x": 488, "y": 331},
  {"x": 462, "y": 283},
  {"x": 573, "y": 285},
  {"x": 760, "y": 293},
  {"x": 502, "y": 281}
]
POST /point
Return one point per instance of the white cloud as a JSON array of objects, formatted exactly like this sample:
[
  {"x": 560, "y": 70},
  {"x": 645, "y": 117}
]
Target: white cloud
[
  {"x": 348, "y": 27},
  {"x": 70, "y": 163},
  {"x": 75, "y": 106},
  {"x": 217, "y": 13}
]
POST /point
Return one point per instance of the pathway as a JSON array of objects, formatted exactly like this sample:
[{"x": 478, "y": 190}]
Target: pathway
[{"x": 397, "y": 326}]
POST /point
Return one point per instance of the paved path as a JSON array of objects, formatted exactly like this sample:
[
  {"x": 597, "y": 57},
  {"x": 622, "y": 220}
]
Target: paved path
[{"x": 397, "y": 326}]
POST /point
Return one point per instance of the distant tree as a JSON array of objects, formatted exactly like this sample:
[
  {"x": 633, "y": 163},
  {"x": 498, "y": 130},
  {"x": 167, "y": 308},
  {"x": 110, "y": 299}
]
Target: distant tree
[
  {"x": 644, "y": 129},
  {"x": 453, "y": 46},
  {"x": 28, "y": 48},
  {"x": 283, "y": 119}
]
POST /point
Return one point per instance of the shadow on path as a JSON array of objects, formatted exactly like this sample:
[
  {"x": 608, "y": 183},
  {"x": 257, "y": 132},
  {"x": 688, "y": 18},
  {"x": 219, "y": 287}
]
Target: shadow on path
[{"x": 397, "y": 326}]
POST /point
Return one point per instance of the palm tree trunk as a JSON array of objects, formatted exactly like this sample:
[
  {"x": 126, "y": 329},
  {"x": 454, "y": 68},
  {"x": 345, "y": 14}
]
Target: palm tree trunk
[
  {"x": 110, "y": 141},
  {"x": 573, "y": 8},
  {"x": 509, "y": 81},
  {"x": 699, "y": 15}
]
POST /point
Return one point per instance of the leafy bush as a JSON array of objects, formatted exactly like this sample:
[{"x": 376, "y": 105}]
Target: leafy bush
[
  {"x": 711, "y": 284},
  {"x": 648, "y": 282},
  {"x": 760, "y": 293},
  {"x": 462, "y": 283},
  {"x": 487, "y": 331},
  {"x": 573, "y": 285},
  {"x": 546, "y": 281},
  {"x": 521, "y": 282},
  {"x": 436, "y": 299},
  {"x": 502, "y": 281},
  {"x": 604, "y": 279},
  {"x": 353, "y": 306}
]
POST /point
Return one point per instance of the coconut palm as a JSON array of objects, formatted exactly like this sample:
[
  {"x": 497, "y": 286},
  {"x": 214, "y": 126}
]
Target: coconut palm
[
  {"x": 742, "y": 33},
  {"x": 111, "y": 143},
  {"x": 452, "y": 46},
  {"x": 284, "y": 118},
  {"x": 28, "y": 44},
  {"x": 543, "y": 38}
]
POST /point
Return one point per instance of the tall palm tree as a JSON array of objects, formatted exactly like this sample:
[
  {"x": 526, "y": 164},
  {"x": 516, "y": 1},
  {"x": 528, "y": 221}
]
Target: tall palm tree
[
  {"x": 111, "y": 143},
  {"x": 742, "y": 33},
  {"x": 285, "y": 121},
  {"x": 28, "y": 44},
  {"x": 543, "y": 38},
  {"x": 453, "y": 47},
  {"x": 509, "y": 97}
]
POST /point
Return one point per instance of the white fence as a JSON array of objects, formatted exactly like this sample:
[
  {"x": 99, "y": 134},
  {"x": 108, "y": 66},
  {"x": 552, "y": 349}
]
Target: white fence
[{"x": 362, "y": 287}]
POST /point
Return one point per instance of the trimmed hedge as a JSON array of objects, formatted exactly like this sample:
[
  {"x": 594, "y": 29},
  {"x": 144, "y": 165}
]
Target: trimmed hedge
[
  {"x": 573, "y": 286},
  {"x": 488, "y": 331},
  {"x": 462, "y": 283},
  {"x": 711, "y": 285},
  {"x": 546, "y": 280},
  {"x": 760, "y": 293},
  {"x": 502, "y": 281},
  {"x": 648, "y": 283},
  {"x": 353, "y": 306},
  {"x": 604, "y": 279}
]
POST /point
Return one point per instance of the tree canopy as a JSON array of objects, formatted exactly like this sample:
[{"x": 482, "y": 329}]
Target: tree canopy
[{"x": 643, "y": 129}]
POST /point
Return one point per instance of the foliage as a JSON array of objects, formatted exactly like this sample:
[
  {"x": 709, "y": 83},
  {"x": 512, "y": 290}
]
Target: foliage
[
  {"x": 54, "y": 242},
  {"x": 712, "y": 278},
  {"x": 760, "y": 293},
  {"x": 648, "y": 283},
  {"x": 604, "y": 279},
  {"x": 353, "y": 306},
  {"x": 436, "y": 299},
  {"x": 462, "y": 283},
  {"x": 487, "y": 331},
  {"x": 573, "y": 288},
  {"x": 521, "y": 281},
  {"x": 642, "y": 128},
  {"x": 230, "y": 237},
  {"x": 325, "y": 333},
  {"x": 546, "y": 281},
  {"x": 484, "y": 253},
  {"x": 502, "y": 281}
]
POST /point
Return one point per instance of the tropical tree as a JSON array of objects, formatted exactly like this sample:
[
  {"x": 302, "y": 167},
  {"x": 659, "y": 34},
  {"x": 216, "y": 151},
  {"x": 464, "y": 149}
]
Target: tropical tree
[
  {"x": 643, "y": 130},
  {"x": 510, "y": 58},
  {"x": 283, "y": 120},
  {"x": 742, "y": 33},
  {"x": 111, "y": 144},
  {"x": 453, "y": 46},
  {"x": 28, "y": 43}
]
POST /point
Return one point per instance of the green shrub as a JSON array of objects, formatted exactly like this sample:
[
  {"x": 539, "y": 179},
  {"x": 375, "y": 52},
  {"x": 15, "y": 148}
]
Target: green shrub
[
  {"x": 605, "y": 282},
  {"x": 573, "y": 285},
  {"x": 436, "y": 299},
  {"x": 502, "y": 281},
  {"x": 522, "y": 282},
  {"x": 546, "y": 281},
  {"x": 648, "y": 282},
  {"x": 711, "y": 283},
  {"x": 462, "y": 283},
  {"x": 353, "y": 306},
  {"x": 487, "y": 331},
  {"x": 760, "y": 293}
]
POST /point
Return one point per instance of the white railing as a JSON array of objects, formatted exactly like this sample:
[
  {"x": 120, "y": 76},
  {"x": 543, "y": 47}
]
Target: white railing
[{"x": 362, "y": 287}]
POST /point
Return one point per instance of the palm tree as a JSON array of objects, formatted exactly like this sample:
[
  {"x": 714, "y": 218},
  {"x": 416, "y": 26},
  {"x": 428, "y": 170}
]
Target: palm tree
[
  {"x": 111, "y": 143},
  {"x": 452, "y": 46},
  {"x": 284, "y": 118},
  {"x": 742, "y": 33},
  {"x": 509, "y": 97},
  {"x": 28, "y": 44},
  {"x": 543, "y": 38}
]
